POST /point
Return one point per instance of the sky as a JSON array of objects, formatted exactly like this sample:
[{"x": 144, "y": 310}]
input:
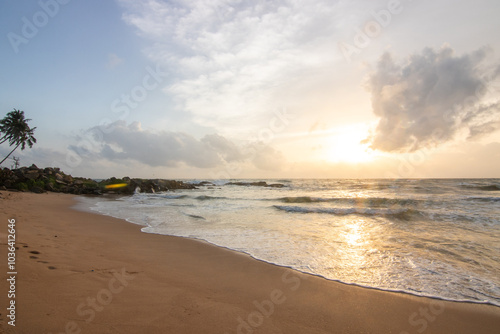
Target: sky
[{"x": 225, "y": 89}]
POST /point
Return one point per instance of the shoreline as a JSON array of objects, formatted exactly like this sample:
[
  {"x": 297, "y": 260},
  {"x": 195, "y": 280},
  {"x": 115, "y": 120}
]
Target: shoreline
[
  {"x": 145, "y": 282},
  {"x": 86, "y": 207}
]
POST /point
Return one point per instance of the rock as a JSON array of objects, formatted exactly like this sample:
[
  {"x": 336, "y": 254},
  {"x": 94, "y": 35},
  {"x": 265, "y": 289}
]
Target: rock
[
  {"x": 67, "y": 178},
  {"x": 19, "y": 173},
  {"x": 257, "y": 184},
  {"x": 50, "y": 187},
  {"x": 32, "y": 174},
  {"x": 204, "y": 183},
  {"x": 8, "y": 184},
  {"x": 144, "y": 185},
  {"x": 37, "y": 190}
]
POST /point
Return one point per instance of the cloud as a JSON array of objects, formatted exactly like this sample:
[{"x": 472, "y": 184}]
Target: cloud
[
  {"x": 231, "y": 57},
  {"x": 225, "y": 148},
  {"x": 432, "y": 98},
  {"x": 169, "y": 149},
  {"x": 122, "y": 142},
  {"x": 267, "y": 158},
  {"x": 39, "y": 155}
]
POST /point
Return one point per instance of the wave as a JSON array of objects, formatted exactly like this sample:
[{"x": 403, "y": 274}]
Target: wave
[
  {"x": 376, "y": 186},
  {"x": 489, "y": 187},
  {"x": 301, "y": 199},
  {"x": 492, "y": 187},
  {"x": 403, "y": 214},
  {"x": 195, "y": 216},
  {"x": 209, "y": 198},
  {"x": 364, "y": 202},
  {"x": 172, "y": 196},
  {"x": 484, "y": 199}
]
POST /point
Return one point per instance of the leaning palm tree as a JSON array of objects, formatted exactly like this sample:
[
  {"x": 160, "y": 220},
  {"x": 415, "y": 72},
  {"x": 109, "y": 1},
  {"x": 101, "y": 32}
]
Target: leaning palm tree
[{"x": 14, "y": 128}]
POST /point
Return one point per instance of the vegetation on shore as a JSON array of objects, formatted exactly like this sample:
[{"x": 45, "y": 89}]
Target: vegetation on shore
[{"x": 39, "y": 180}]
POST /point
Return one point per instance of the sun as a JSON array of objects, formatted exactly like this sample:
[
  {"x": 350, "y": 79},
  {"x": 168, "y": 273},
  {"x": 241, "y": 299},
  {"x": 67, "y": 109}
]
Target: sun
[{"x": 345, "y": 146}]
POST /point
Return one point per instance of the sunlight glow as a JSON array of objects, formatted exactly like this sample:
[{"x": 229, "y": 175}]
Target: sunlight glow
[{"x": 345, "y": 146}]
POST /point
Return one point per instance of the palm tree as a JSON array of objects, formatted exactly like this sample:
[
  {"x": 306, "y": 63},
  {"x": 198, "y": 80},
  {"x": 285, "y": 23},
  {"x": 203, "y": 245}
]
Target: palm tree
[{"x": 15, "y": 129}]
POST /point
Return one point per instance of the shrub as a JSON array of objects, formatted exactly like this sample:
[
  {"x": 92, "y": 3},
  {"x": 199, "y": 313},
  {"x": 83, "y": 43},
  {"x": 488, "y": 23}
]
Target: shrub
[{"x": 22, "y": 186}]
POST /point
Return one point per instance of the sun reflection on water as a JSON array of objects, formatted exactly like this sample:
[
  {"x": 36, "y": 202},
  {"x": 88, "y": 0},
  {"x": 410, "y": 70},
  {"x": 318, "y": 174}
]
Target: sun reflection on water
[
  {"x": 353, "y": 235},
  {"x": 358, "y": 245}
]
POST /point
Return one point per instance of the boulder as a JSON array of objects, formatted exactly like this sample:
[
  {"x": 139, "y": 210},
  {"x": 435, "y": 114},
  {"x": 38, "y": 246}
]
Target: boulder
[
  {"x": 32, "y": 174},
  {"x": 50, "y": 187},
  {"x": 257, "y": 184},
  {"x": 204, "y": 183},
  {"x": 37, "y": 190},
  {"x": 67, "y": 178}
]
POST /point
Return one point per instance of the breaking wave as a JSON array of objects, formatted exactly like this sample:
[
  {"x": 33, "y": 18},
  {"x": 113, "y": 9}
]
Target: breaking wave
[
  {"x": 364, "y": 202},
  {"x": 404, "y": 214}
]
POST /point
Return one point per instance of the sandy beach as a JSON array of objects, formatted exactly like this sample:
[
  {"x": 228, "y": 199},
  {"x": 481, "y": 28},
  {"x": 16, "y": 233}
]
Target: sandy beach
[{"x": 79, "y": 272}]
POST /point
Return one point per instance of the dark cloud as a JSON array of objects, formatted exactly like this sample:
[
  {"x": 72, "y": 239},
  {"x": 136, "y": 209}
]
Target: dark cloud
[
  {"x": 431, "y": 98},
  {"x": 120, "y": 141},
  {"x": 226, "y": 149}
]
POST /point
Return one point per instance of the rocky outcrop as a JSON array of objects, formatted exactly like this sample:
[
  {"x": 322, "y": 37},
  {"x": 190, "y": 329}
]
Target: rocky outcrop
[
  {"x": 40, "y": 180},
  {"x": 130, "y": 186},
  {"x": 257, "y": 184},
  {"x": 204, "y": 184}
]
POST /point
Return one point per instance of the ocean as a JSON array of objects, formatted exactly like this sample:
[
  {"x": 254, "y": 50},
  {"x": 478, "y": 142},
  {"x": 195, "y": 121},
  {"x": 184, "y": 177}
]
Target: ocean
[{"x": 428, "y": 237}]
